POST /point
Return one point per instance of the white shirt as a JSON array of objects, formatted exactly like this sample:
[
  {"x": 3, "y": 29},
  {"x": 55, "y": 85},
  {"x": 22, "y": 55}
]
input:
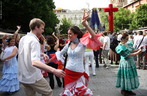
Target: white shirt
[
  {"x": 107, "y": 40},
  {"x": 75, "y": 57},
  {"x": 29, "y": 50},
  {"x": 119, "y": 37},
  {"x": 137, "y": 41},
  {"x": 101, "y": 39}
]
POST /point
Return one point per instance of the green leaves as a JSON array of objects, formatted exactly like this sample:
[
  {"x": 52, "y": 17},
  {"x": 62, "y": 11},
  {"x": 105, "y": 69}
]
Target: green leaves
[
  {"x": 141, "y": 16},
  {"x": 121, "y": 19},
  {"x": 66, "y": 23},
  {"x": 20, "y": 12},
  {"x": 125, "y": 19}
]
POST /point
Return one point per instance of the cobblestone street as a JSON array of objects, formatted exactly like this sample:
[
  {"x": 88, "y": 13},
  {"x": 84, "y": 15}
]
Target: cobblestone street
[{"x": 103, "y": 84}]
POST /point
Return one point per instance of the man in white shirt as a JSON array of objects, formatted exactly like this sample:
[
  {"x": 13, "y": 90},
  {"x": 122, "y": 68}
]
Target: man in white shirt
[
  {"x": 29, "y": 62},
  {"x": 100, "y": 52},
  {"x": 106, "y": 47},
  {"x": 140, "y": 41}
]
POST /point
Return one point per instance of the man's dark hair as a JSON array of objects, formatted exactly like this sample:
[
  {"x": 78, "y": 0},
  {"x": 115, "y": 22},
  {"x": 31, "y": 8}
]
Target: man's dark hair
[
  {"x": 1, "y": 41},
  {"x": 105, "y": 33},
  {"x": 140, "y": 32}
]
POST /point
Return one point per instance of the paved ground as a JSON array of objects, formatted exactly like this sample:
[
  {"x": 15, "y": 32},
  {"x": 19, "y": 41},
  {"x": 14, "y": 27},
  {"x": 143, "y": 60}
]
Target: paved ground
[{"x": 103, "y": 84}]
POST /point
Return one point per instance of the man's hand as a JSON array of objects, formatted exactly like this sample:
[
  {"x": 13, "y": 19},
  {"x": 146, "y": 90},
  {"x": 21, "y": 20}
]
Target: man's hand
[
  {"x": 3, "y": 60},
  {"x": 59, "y": 73}
]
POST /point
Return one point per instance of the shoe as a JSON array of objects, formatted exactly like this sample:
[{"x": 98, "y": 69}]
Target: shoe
[
  {"x": 143, "y": 68},
  {"x": 90, "y": 65},
  {"x": 60, "y": 85},
  {"x": 131, "y": 93},
  {"x": 94, "y": 74},
  {"x": 52, "y": 87},
  {"x": 111, "y": 62},
  {"x": 108, "y": 66},
  {"x": 124, "y": 92},
  {"x": 105, "y": 65},
  {"x": 116, "y": 63},
  {"x": 9, "y": 93}
]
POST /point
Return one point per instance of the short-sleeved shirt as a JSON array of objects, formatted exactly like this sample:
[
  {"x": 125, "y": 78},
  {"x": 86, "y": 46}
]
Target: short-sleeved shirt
[
  {"x": 29, "y": 50},
  {"x": 138, "y": 40},
  {"x": 107, "y": 40},
  {"x": 119, "y": 37}
]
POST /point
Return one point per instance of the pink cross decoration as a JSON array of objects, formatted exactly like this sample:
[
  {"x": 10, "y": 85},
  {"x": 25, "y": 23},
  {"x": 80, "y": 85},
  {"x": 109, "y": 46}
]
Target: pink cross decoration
[{"x": 110, "y": 18}]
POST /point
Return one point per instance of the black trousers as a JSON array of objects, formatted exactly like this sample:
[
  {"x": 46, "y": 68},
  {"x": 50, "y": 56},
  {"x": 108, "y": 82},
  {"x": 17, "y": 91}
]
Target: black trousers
[
  {"x": 51, "y": 76},
  {"x": 96, "y": 53}
]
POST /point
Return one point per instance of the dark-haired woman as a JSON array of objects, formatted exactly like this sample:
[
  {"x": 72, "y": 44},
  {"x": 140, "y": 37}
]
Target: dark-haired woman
[
  {"x": 76, "y": 80},
  {"x": 127, "y": 77},
  {"x": 9, "y": 82},
  {"x": 53, "y": 45}
]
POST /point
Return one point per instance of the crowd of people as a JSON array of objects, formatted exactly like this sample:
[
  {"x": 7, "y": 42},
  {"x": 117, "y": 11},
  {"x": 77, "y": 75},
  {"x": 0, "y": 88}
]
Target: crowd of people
[{"x": 30, "y": 59}]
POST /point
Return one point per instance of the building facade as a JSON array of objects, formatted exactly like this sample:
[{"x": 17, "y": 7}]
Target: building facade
[
  {"x": 134, "y": 5},
  {"x": 74, "y": 15},
  {"x": 119, "y": 3}
]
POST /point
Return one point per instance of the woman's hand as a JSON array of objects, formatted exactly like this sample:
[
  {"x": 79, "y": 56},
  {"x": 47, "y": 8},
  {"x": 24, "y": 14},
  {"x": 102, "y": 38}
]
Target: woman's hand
[
  {"x": 46, "y": 58},
  {"x": 5, "y": 37},
  {"x": 53, "y": 33},
  {"x": 18, "y": 27},
  {"x": 139, "y": 51},
  {"x": 84, "y": 19},
  {"x": 88, "y": 28}
]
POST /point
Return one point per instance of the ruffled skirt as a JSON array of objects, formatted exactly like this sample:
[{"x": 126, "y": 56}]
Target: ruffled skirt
[
  {"x": 76, "y": 84},
  {"x": 127, "y": 77},
  {"x": 91, "y": 43},
  {"x": 9, "y": 81}
]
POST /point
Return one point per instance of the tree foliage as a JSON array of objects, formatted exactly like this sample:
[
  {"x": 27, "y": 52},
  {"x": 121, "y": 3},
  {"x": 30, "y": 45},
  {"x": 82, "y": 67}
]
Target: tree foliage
[
  {"x": 133, "y": 24},
  {"x": 66, "y": 23},
  {"x": 20, "y": 12},
  {"x": 122, "y": 19},
  {"x": 140, "y": 17}
]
